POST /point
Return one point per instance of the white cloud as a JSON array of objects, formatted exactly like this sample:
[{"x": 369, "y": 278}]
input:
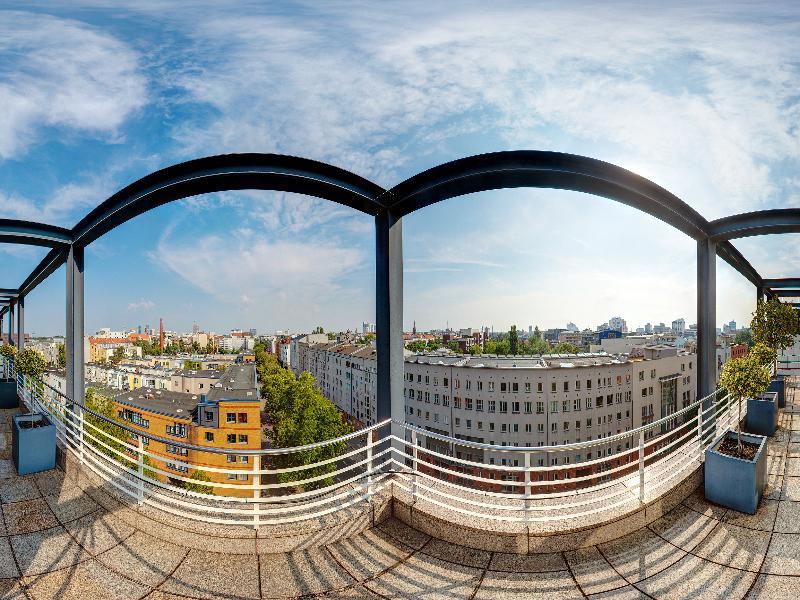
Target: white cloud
[
  {"x": 142, "y": 305},
  {"x": 62, "y": 73}
]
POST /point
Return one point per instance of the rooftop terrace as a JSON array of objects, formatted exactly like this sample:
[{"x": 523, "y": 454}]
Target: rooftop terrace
[{"x": 65, "y": 535}]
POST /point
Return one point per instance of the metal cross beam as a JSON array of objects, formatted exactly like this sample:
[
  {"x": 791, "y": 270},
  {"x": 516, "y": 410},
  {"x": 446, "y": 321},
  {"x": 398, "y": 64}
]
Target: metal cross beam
[
  {"x": 762, "y": 222},
  {"x": 33, "y": 234}
]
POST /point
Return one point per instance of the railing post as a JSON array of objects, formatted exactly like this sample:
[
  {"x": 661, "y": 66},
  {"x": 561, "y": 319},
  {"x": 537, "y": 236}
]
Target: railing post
[
  {"x": 700, "y": 427},
  {"x": 641, "y": 466},
  {"x": 370, "y": 440},
  {"x": 81, "y": 418},
  {"x": 414, "y": 465},
  {"x": 256, "y": 491},
  {"x": 527, "y": 484},
  {"x": 140, "y": 460}
]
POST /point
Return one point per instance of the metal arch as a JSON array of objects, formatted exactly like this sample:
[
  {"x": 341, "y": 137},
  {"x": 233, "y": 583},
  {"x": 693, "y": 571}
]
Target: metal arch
[
  {"x": 48, "y": 265},
  {"x": 776, "y": 284},
  {"x": 761, "y": 222},
  {"x": 542, "y": 169},
  {"x": 229, "y": 172},
  {"x": 9, "y": 292},
  {"x": 14, "y": 231}
]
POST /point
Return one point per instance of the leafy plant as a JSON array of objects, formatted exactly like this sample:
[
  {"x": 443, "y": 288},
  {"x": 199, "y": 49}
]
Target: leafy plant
[
  {"x": 762, "y": 354},
  {"x": 8, "y": 351},
  {"x": 31, "y": 363},
  {"x": 774, "y": 324},
  {"x": 744, "y": 377},
  {"x": 199, "y": 487}
]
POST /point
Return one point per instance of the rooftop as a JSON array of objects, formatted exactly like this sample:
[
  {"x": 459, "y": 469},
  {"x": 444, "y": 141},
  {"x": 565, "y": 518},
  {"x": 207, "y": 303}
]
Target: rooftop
[
  {"x": 237, "y": 383},
  {"x": 163, "y": 402},
  {"x": 65, "y": 535}
]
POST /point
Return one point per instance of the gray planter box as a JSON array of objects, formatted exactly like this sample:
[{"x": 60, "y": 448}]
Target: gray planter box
[
  {"x": 779, "y": 385},
  {"x": 735, "y": 482},
  {"x": 33, "y": 449},
  {"x": 762, "y": 414},
  {"x": 8, "y": 393}
]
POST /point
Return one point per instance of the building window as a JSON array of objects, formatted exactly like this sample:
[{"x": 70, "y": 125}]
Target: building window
[
  {"x": 231, "y": 438},
  {"x": 539, "y": 386},
  {"x": 503, "y": 386},
  {"x": 242, "y": 438},
  {"x": 553, "y": 386},
  {"x": 539, "y": 407},
  {"x": 503, "y": 406},
  {"x": 527, "y": 386},
  {"x": 231, "y": 458},
  {"x": 230, "y": 417},
  {"x": 576, "y": 404},
  {"x": 566, "y": 386},
  {"x": 209, "y": 415},
  {"x": 209, "y": 436},
  {"x": 479, "y": 405},
  {"x": 528, "y": 407},
  {"x": 515, "y": 387},
  {"x": 492, "y": 404},
  {"x": 515, "y": 407},
  {"x": 242, "y": 417},
  {"x": 540, "y": 427},
  {"x": 554, "y": 406}
]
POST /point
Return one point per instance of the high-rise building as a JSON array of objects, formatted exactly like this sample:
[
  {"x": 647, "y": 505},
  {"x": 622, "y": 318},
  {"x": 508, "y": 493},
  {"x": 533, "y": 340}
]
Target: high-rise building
[
  {"x": 679, "y": 326},
  {"x": 618, "y": 323}
]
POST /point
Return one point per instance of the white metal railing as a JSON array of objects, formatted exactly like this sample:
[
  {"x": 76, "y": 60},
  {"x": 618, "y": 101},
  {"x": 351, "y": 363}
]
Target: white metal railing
[{"x": 550, "y": 484}]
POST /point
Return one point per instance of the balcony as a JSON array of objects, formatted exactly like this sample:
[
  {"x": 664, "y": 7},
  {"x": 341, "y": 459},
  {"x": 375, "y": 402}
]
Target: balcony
[{"x": 390, "y": 527}]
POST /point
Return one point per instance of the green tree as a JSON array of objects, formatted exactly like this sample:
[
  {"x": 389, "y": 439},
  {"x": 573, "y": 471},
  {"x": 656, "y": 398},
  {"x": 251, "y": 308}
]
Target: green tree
[
  {"x": 513, "y": 340},
  {"x": 536, "y": 332},
  {"x": 195, "y": 365},
  {"x": 762, "y": 354},
  {"x": 118, "y": 356},
  {"x": 475, "y": 349},
  {"x": 318, "y": 329},
  {"x": 8, "y": 351},
  {"x": 774, "y": 324},
  {"x": 417, "y": 346},
  {"x": 369, "y": 337},
  {"x": 198, "y": 475},
  {"x": 62, "y": 356},
  {"x": 744, "y": 377},
  {"x": 539, "y": 345},
  {"x": 565, "y": 348},
  {"x": 744, "y": 337},
  {"x": 30, "y": 362},
  {"x": 454, "y": 346}
]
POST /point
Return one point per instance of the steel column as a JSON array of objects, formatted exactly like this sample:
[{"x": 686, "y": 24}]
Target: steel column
[
  {"x": 20, "y": 323},
  {"x": 706, "y": 318},
  {"x": 11, "y": 323},
  {"x": 389, "y": 319},
  {"x": 74, "y": 340},
  {"x": 759, "y": 294}
]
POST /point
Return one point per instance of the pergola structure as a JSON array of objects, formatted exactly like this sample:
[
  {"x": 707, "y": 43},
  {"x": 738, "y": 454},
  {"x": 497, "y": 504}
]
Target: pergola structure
[{"x": 537, "y": 169}]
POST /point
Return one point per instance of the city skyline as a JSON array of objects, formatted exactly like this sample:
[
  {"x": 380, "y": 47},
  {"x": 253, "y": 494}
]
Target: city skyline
[{"x": 700, "y": 101}]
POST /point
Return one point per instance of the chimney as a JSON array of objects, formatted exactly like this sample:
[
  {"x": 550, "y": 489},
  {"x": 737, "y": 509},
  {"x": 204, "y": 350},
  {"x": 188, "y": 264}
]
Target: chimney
[{"x": 161, "y": 335}]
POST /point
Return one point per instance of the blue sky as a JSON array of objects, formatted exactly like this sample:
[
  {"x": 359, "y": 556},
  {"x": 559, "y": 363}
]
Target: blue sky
[{"x": 701, "y": 99}]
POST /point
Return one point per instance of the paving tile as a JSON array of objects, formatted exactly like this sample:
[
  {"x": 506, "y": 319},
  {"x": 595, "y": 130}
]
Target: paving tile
[
  {"x": 369, "y": 553},
  {"x": 763, "y": 520},
  {"x": 423, "y": 576},
  {"x": 697, "y": 579},
  {"x": 592, "y": 571},
  {"x": 18, "y": 489},
  {"x": 774, "y": 487},
  {"x": 10, "y": 589},
  {"x": 533, "y": 586},
  {"x": 684, "y": 527},
  {"x": 27, "y": 516},
  {"x": 8, "y": 568},
  {"x": 405, "y": 534},
  {"x": 640, "y": 555},
  {"x": 358, "y": 592},
  {"x": 457, "y": 554},
  {"x": 783, "y": 556},
  {"x": 735, "y": 546},
  {"x": 527, "y": 563},
  {"x": 143, "y": 558},
  {"x": 46, "y": 550},
  {"x": 791, "y": 489},
  {"x": 788, "y": 518},
  {"x": 210, "y": 575},
  {"x": 775, "y": 587},
  {"x": 99, "y": 531},
  {"x": 51, "y": 482},
  {"x": 89, "y": 579},
  {"x": 697, "y": 502},
  {"x": 625, "y": 593},
  {"x": 7, "y": 470},
  {"x": 70, "y": 503},
  {"x": 301, "y": 573}
]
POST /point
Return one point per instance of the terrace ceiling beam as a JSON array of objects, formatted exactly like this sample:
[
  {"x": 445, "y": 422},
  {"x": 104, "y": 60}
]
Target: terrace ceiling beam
[
  {"x": 761, "y": 222},
  {"x": 273, "y": 172},
  {"x": 13, "y": 231}
]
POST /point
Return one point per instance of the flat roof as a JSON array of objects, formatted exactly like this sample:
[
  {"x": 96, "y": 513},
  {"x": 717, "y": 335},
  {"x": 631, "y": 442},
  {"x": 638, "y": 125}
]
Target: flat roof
[
  {"x": 238, "y": 382},
  {"x": 178, "y": 405}
]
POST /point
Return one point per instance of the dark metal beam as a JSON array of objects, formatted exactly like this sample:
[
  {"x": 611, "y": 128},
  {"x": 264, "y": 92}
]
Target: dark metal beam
[
  {"x": 73, "y": 345},
  {"x": 532, "y": 168},
  {"x": 13, "y": 231},
  {"x": 762, "y": 222},
  {"x": 20, "y": 323},
  {"x": 706, "y": 318},
  {"x": 776, "y": 284},
  {"x": 9, "y": 292},
  {"x": 52, "y": 261},
  {"x": 229, "y": 172},
  {"x": 786, "y": 293}
]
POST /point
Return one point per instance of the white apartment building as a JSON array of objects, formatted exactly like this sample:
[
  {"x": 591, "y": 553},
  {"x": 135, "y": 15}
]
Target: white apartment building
[{"x": 533, "y": 402}]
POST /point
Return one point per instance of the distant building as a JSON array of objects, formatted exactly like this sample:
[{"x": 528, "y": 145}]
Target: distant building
[{"x": 679, "y": 326}]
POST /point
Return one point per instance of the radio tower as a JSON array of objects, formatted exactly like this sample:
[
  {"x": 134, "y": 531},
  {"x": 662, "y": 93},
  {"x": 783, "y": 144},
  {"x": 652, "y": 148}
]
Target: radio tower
[{"x": 161, "y": 335}]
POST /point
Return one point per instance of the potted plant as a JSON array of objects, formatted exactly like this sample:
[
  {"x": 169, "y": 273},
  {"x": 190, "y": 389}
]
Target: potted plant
[
  {"x": 31, "y": 363},
  {"x": 736, "y": 464},
  {"x": 8, "y": 387},
  {"x": 33, "y": 440},
  {"x": 775, "y": 324}
]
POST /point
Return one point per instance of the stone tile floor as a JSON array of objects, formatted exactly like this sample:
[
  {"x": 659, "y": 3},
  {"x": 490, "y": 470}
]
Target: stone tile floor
[{"x": 56, "y": 542}]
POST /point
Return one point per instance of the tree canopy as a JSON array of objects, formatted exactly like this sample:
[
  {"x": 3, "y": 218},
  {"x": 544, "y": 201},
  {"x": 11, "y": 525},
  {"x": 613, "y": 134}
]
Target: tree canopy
[{"x": 775, "y": 324}]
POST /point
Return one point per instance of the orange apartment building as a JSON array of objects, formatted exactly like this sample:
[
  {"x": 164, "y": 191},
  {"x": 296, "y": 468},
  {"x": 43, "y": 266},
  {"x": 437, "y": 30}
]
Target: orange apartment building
[{"x": 228, "y": 417}]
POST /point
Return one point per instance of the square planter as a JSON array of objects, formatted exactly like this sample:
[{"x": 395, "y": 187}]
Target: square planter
[
  {"x": 33, "y": 448},
  {"x": 735, "y": 482},
  {"x": 779, "y": 385},
  {"x": 762, "y": 414},
  {"x": 8, "y": 393}
]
